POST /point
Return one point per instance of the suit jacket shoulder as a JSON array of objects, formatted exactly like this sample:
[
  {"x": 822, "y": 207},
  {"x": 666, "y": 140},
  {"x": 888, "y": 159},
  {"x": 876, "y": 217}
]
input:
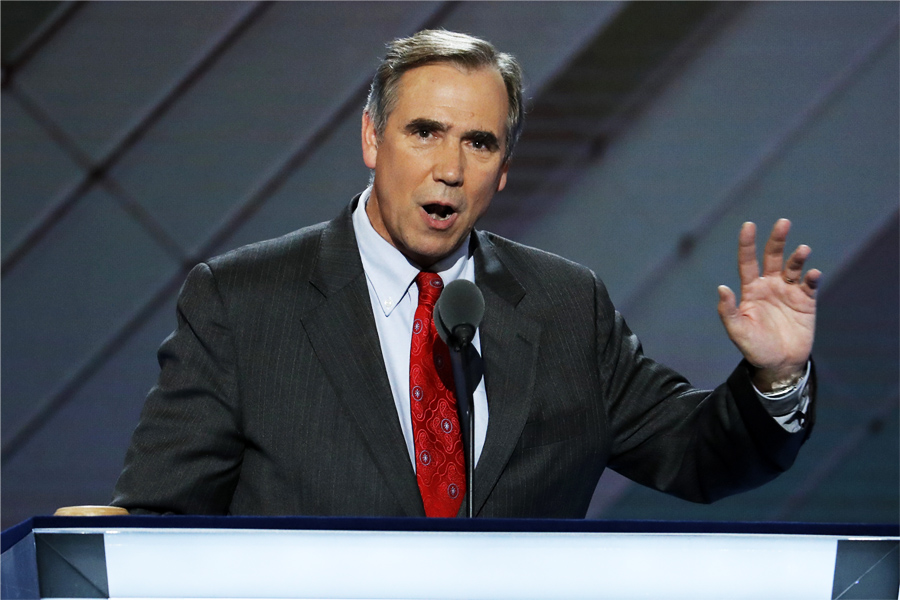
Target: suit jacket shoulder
[
  {"x": 532, "y": 264},
  {"x": 297, "y": 246},
  {"x": 537, "y": 282},
  {"x": 297, "y": 270}
]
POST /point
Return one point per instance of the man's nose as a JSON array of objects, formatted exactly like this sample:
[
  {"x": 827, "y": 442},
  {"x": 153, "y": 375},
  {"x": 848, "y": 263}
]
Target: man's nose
[{"x": 449, "y": 165}]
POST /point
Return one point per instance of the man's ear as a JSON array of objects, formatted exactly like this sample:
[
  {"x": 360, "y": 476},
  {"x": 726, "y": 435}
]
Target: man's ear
[
  {"x": 369, "y": 141},
  {"x": 503, "y": 170}
]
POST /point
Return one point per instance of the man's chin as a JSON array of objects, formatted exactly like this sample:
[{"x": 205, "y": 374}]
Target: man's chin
[{"x": 426, "y": 256}]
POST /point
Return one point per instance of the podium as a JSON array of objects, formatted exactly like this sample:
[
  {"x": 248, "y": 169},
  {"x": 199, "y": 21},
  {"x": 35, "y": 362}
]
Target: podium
[{"x": 295, "y": 557}]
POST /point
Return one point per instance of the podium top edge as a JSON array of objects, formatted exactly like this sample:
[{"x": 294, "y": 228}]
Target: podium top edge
[{"x": 12, "y": 535}]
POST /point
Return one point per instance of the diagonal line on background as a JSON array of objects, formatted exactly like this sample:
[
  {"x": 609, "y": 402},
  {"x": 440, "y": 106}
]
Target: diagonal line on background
[
  {"x": 94, "y": 177},
  {"x": 47, "y": 407},
  {"x": 269, "y": 184},
  {"x": 570, "y": 109},
  {"x": 768, "y": 157},
  {"x": 43, "y": 34},
  {"x": 98, "y": 171},
  {"x": 869, "y": 570},
  {"x": 834, "y": 459}
]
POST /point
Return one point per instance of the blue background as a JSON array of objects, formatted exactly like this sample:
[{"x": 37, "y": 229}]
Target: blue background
[{"x": 141, "y": 137}]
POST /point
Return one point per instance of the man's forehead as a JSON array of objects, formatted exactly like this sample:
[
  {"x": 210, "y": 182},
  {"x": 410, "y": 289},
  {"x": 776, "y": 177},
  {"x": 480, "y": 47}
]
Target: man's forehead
[{"x": 418, "y": 107}]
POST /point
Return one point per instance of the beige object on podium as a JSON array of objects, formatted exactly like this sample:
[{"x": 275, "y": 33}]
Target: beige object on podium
[{"x": 89, "y": 511}]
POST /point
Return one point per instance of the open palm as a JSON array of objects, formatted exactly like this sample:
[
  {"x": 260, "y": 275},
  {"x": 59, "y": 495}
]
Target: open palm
[{"x": 774, "y": 325}]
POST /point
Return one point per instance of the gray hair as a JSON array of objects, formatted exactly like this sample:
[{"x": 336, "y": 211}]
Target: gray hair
[{"x": 436, "y": 45}]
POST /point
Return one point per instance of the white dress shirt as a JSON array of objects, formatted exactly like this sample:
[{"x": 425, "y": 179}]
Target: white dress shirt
[{"x": 391, "y": 278}]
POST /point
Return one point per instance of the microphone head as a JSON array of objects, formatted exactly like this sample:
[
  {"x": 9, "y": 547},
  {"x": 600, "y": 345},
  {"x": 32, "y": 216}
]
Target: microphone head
[{"x": 458, "y": 313}]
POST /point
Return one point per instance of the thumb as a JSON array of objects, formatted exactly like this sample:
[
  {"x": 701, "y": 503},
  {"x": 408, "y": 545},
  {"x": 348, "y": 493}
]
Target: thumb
[{"x": 727, "y": 306}]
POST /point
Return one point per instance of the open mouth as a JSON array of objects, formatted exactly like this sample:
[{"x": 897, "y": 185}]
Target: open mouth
[{"x": 439, "y": 212}]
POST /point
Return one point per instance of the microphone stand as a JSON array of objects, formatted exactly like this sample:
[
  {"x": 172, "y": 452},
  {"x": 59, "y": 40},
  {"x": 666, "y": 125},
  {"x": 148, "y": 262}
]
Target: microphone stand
[{"x": 467, "y": 372}]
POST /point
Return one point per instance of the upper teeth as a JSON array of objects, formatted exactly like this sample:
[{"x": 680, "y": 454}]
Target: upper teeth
[{"x": 439, "y": 212}]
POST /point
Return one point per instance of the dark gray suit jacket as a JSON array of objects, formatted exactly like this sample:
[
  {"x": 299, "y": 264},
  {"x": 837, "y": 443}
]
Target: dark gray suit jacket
[{"x": 273, "y": 397}]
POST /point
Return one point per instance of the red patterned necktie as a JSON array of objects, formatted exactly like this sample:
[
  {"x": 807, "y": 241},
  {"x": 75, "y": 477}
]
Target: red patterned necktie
[{"x": 440, "y": 465}]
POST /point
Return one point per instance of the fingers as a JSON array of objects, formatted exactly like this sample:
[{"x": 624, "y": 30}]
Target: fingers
[
  {"x": 793, "y": 271},
  {"x": 793, "y": 268},
  {"x": 811, "y": 282},
  {"x": 748, "y": 268},
  {"x": 773, "y": 255},
  {"x": 774, "y": 264}
]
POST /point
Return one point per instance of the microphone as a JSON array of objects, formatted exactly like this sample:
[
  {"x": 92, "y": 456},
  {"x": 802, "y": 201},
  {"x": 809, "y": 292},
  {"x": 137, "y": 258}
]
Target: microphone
[{"x": 458, "y": 313}]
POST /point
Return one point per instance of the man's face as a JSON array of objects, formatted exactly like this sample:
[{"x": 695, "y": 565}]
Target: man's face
[{"x": 439, "y": 161}]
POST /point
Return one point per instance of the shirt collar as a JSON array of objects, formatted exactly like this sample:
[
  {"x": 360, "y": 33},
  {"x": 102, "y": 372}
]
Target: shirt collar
[{"x": 389, "y": 272}]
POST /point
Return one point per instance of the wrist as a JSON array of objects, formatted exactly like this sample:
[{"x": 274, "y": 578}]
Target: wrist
[{"x": 776, "y": 381}]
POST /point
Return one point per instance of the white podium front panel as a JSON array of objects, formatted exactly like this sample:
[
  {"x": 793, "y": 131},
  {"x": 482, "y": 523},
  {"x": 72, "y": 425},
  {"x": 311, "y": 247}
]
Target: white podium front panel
[{"x": 359, "y": 564}]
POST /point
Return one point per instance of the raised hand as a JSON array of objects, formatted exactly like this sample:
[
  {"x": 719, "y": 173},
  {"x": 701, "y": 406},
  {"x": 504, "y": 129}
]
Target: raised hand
[{"x": 774, "y": 325}]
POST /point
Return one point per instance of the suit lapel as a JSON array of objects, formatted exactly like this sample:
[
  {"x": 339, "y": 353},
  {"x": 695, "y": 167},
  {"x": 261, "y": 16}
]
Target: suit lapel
[
  {"x": 342, "y": 332},
  {"x": 509, "y": 344}
]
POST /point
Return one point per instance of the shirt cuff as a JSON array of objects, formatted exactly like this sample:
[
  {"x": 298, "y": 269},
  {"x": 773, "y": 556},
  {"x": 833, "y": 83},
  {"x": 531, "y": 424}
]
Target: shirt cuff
[{"x": 788, "y": 407}]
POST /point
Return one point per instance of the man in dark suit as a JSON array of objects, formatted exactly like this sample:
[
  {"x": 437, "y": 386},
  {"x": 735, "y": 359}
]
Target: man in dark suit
[{"x": 289, "y": 386}]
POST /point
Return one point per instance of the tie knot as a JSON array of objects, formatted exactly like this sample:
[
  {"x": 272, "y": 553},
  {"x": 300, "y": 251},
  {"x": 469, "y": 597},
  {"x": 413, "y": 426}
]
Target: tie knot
[{"x": 430, "y": 287}]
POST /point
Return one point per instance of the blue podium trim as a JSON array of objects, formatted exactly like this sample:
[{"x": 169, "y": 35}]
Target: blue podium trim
[{"x": 12, "y": 535}]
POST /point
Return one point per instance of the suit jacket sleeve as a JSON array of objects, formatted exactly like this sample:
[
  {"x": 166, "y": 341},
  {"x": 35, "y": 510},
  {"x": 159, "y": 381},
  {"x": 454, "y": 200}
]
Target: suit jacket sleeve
[
  {"x": 695, "y": 444},
  {"x": 186, "y": 452}
]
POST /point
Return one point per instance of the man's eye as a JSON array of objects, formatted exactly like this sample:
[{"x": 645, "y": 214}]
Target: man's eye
[
  {"x": 483, "y": 144},
  {"x": 424, "y": 133}
]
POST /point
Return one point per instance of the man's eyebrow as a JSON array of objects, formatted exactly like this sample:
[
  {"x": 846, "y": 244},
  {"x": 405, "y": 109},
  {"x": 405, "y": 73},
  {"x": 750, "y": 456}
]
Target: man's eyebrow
[
  {"x": 487, "y": 138},
  {"x": 426, "y": 124}
]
